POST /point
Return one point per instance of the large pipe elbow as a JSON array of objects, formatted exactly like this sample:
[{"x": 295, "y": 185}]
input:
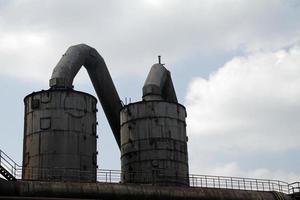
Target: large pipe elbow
[
  {"x": 69, "y": 65},
  {"x": 66, "y": 69}
]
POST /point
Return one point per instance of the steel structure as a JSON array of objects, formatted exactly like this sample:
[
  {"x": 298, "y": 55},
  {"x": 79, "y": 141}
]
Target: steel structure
[
  {"x": 153, "y": 134},
  {"x": 154, "y": 142},
  {"x": 60, "y": 133}
]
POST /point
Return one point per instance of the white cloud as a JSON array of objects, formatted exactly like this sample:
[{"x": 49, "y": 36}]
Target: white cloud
[
  {"x": 250, "y": 106},
  {"x": 26, "y": 55},
  {"x": 130, "y": 34}
]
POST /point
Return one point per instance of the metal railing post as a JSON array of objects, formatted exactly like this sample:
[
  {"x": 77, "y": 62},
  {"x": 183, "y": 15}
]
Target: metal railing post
[
  {"x": 14, "y": 170},
  {"x": 256, "y": 184},
  {"x": 200, "y": 181},
  {"x": 110, "y": 176}
]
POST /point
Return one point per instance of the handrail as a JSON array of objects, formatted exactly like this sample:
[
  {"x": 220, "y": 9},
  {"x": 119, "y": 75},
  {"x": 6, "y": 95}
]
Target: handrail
[
  {"x": 238, "y": 183},
  {"x": 8, "y": 163},
  {"x": 294, "y": 187},
  {"x": 205, "y": 181},
  {"x": 10, "y": 159}
]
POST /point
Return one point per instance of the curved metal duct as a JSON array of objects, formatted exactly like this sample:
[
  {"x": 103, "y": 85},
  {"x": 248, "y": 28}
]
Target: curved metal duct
[
  {"x": 159, "y": 85},
  {"x": 69, "y": 65}
]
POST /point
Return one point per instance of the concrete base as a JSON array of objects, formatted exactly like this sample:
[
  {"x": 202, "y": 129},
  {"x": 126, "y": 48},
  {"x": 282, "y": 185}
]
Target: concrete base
[{"x": 103, "y": 191}]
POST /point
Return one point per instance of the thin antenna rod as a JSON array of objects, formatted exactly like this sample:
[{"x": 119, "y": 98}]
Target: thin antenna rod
[{"x": 159, "y": 61}]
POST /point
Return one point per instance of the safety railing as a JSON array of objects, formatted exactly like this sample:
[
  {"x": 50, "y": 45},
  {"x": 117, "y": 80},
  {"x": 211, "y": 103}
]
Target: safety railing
[
  {"x": 115, "y": 176},
  {"x": 9, "y": 164},
  {"x": 208, "y": 181},
  {"x": 109, "y": 176},
  {"x": 204, "y": 181},
  {"x": 238, "y": 183},
  {"x": 294, "y": 188}
]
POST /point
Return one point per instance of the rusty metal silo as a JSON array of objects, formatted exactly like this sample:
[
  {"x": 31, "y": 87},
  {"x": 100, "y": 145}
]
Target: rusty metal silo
[
  {"x": 153, "y": 135},
  {"x": 60, "y": 136},
  {"x": 60, "y": 123}
]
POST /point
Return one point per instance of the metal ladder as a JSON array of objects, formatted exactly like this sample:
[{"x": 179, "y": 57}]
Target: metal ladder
[{"x": 8, "y": 167}]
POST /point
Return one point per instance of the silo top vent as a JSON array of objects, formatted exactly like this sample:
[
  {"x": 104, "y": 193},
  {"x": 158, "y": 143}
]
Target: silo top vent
[{"x": 159, "y": 85}]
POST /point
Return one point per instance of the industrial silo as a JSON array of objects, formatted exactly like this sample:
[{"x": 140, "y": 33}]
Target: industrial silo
[
  {"x": 60, "y": 136},
  {"x": 60, "y": 123},
  {"x": 153, "y": 135}
]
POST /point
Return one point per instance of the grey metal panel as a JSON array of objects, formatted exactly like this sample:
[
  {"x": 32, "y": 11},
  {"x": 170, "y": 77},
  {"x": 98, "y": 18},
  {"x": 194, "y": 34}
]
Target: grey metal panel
[
  {"x": 60, "y": 136},
  {"x": 153, "y": 143}
]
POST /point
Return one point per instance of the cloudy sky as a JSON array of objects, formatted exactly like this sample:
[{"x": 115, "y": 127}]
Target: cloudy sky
[{"x": 235, "y": 65}]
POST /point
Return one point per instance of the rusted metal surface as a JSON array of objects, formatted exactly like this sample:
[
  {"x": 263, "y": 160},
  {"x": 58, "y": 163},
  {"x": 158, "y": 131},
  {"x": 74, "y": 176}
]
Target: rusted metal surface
[
  {"x": 60, "y": 136},
  {"x": 154, "y": 143}
]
